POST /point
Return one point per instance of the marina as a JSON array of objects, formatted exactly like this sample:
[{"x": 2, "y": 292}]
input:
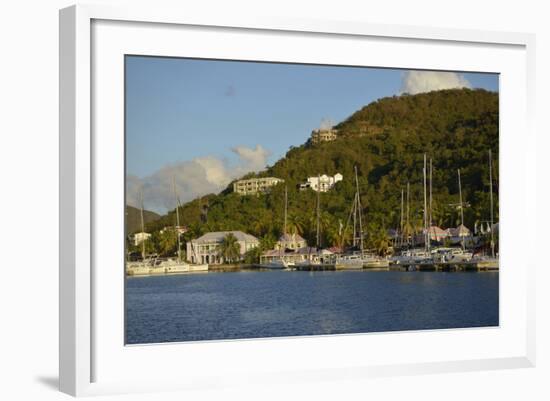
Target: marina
[
  {"x": 386, "y": 219},
  {"x": 480, "y": 264}
]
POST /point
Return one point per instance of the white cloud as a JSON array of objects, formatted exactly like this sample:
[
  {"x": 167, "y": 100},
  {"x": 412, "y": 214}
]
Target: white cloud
[
  {"x": 193, "y": 178},
  {"x": 251, "y": 159},
  {"x": 215, "y": 170},
  {"x": 426, "y": 81}
]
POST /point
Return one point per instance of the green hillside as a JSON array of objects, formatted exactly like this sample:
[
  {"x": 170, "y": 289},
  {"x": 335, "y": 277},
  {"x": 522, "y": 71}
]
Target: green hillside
[
  {"x": 386, "y": 140},
  {"x": 133, "y": 219}
]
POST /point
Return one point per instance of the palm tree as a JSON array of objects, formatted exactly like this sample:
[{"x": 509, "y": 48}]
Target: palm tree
[
  {"x": 332, "y": 235},
  {"x": 230, "y": 248},
  {"x": 379, "y": 240},
  {"x": 295, "y": 224},
  {"x": 168, "y": 241},
  {"x": 267, "y": 242}
]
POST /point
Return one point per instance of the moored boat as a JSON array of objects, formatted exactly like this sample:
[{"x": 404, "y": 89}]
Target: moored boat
[
  {"x": 275, "y": 264},
  {"x": 376, "y": 262},
  {"x": 451, "y": 255},
  {"x": 486, "y": 263},
  {"x": 412, "y": 256},
  {"x": 349, "y": 262}
]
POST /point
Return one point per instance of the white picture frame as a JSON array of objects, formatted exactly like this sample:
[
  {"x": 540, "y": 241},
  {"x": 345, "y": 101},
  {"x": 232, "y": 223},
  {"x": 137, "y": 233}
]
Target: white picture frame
[{"x": 82, "y": 344}]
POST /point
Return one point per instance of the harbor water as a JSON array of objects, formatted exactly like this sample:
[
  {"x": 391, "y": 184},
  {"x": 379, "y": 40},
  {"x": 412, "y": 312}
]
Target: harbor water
[{"x": 254, "y": 304}]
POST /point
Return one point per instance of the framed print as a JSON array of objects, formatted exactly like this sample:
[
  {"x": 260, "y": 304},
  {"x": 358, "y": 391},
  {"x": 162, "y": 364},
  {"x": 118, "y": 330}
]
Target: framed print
[{"x": 272, "y": 199}]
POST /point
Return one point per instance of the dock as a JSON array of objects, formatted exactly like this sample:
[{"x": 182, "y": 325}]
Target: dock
[
  {"x": 315, "y": 268},
  {"x": 475, "y": 265},
  {"x": 482, "y": 265}
]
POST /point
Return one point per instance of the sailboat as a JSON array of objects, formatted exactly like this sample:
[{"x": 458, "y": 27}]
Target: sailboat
[
  {"x": 461, "y": 255},
  {"x": 178, "y": 265},
  {"x": 418, "y": 255},
  {"x": 154, "y": 265},
  {"x": 354, "y": 260},
  {"x": 279, "y": 263},
  {"x": 490, "y": 262},
  {"x": 317, "y": 261},
  {"x": 145, "y": 266}
]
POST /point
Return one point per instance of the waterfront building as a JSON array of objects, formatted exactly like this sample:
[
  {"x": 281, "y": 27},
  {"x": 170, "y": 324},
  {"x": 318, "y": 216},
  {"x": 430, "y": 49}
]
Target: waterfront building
[
  {"x": 296, "y": 256},
  {"x": 323, "y": 135},
  {"x": 180, "y": 229},
  {"x": 253, "y": 186},
  {"x": 207, "y": 248},
  {"x": 290, "y": 241},
  {"x": 138, "y": 238},
  {"x": 456, "y": 234},
  {"x": 437, "y": 234},
  {"x": 322, "y": 183}
]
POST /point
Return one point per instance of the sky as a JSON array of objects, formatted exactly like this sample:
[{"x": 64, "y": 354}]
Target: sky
[{"x": 203, "y": 123}]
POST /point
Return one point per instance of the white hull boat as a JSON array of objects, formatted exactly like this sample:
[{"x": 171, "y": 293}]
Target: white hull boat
[
  {"x": 349, "y": 262},
  {"x": 164, "y": 267}
]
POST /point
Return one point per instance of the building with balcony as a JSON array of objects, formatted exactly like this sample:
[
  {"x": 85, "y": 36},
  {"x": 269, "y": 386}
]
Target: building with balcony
[
  {"x": 321, "y": 183},
  {"x": 180, "y": 229},
  {"x": 290, "y": 241},
  {"x": 207, "y": 248},
  {"x": 138, "y": 238},
  {"x": 253, "y": 186},
  {"x": 323, "y": 135}
]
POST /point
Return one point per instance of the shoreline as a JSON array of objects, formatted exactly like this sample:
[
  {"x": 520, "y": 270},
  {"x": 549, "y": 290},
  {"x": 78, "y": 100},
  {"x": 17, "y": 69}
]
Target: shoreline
[{"x": 256, "y": 268}]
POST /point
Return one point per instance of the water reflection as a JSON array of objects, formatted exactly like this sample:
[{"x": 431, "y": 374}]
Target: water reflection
[{"x": 271, "y": 304}]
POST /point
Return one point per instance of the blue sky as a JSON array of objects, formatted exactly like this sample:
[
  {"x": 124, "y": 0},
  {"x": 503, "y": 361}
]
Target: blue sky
[{"x": 178, "y": 110}]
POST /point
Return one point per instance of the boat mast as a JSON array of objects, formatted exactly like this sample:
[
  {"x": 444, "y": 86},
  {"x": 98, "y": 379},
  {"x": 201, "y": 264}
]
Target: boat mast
[
  {"x": 286, "y": 210},
  {"x": 176, "y": 228},
  {"x": 491, "y": 198},
  {"x": 318, "y": 237},
  {"x": 358, "y": 209},
  {"x": 426, "y": 241},
  {"x": 430, "y": 219},
  {"x": 401, "y": 220},
  {"x": 283, "y": 243},
  {"x": 142, "y": 226},
  {"x": 354, "y": 212},
  {"x": 461, "y": 209},
  {"x": 408, "y": 210}
]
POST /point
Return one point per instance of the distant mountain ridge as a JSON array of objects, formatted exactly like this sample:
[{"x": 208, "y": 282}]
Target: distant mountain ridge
[{"x": 133, "y": 219}]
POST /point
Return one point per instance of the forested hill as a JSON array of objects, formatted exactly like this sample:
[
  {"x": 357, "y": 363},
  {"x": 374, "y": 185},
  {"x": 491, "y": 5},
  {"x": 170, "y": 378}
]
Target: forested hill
[
  {"x": 386, "y": 140},
  {"x": 133, "y": 219}
]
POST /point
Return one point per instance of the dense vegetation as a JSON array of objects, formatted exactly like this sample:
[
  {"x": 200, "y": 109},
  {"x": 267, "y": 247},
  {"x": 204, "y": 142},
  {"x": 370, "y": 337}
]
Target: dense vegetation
[
  {"x": 386, "y": 140},
  {"x": 133, "y": 219}
]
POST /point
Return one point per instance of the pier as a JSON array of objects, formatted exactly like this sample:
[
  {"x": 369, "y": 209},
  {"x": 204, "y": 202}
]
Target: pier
[{"x": 483, "y": 265}]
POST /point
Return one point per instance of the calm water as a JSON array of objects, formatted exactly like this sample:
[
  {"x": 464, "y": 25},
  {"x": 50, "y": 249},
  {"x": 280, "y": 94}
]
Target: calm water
[{"x": 279, "y": 303}]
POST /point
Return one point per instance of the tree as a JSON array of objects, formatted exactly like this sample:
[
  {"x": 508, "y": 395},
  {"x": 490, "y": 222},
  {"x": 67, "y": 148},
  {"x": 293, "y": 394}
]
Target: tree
[
  {"x": 295, "y": 224},
  {"x": 378, "y": 240},
  {"x": 230, "y": 248},
  {"x": 267, "y": 242},
  {"x": 168, "y": 242},
  {"x": 252, "y": 256},
  {"x": 152, "y": 244}
]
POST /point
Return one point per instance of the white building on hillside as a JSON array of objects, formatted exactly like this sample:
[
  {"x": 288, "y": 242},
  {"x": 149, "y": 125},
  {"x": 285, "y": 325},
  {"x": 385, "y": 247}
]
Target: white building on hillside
[
  {"x": 253, "y": 186},
  {"x": 322, "y": 183},
  {"x": 323, "y": 135},
  {"x": 140, "y": 237},
  {"x": 180, "y": 229},
  {"x": 207, "y": 249}
]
